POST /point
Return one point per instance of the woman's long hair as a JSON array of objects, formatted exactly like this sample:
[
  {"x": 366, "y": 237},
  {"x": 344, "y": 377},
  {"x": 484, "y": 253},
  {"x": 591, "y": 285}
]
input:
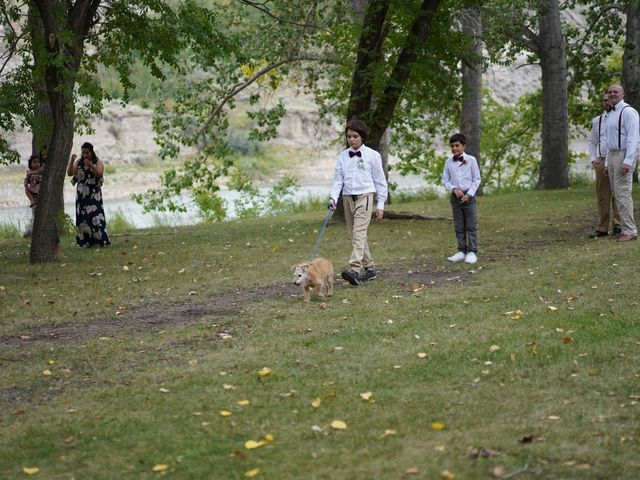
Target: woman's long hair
[{"x": 88, "y": 146}]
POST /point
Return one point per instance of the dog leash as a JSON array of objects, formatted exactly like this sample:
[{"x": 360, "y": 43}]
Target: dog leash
[{"x": 324, "y": 226}]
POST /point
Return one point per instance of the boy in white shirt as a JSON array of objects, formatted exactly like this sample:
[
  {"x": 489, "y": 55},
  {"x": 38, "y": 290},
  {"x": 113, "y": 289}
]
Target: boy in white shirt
[
  {"x": 461, "y": 177},
  {"x": 359, "y": 176}
]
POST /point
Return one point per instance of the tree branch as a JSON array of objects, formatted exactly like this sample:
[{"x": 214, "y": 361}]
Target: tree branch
[
  {"x": 237, "y": 88},
  {"x": 262, "y": 7}
]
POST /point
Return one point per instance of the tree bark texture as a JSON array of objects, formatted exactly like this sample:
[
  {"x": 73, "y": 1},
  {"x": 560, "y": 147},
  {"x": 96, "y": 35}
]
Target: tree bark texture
[
  {"x": 369, "y": 51},
  {"x": 470, "y": 116},
  {"x": 64, "y": 38},
  {"x": 631, "y": 60},
  {"x": 554, "y": 166},
  {"x": 631, "y": 55},
  {"x": 416, "y": 38}
]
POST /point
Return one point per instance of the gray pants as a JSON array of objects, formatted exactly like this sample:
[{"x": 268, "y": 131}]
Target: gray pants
[
  {"x": 621, "y": 189},
  {"x": 465, "y": 223}
]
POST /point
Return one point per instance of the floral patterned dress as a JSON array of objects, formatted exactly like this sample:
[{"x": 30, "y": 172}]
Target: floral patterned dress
[{"x": 90, "y": 222}]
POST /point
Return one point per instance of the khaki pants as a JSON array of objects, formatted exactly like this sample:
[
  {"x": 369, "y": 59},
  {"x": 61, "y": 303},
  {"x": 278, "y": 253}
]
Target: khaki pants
[
  {"x": 357, "y": 212},
  {"x": 621, "y": 190},
  {"x": 604, "y": 199}
]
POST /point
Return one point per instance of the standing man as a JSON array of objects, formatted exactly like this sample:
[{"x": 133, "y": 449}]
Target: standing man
[
  {"x": 597, "y": 153},
  {"x": 622, "y": 131}
]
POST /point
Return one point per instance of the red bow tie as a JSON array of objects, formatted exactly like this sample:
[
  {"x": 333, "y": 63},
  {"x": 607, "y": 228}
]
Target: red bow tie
[
  {"x": 460, "y": 159},
  {"x": 354, "y": 154}
]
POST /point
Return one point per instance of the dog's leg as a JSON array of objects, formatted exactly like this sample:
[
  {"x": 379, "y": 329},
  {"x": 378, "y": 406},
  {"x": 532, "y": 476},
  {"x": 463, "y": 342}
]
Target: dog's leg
[
  {"x": 307, "y": 295},
  {"x": 330, "y": 286}
]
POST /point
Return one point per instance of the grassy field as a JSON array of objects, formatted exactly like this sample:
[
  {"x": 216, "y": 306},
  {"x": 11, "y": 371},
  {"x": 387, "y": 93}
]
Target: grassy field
[{"x": 164, "y": 354}]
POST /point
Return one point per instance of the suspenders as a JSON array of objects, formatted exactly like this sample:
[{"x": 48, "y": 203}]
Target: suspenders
[
  {"x": 599, "y": 152},
  {"x": 620, "y": 126}
]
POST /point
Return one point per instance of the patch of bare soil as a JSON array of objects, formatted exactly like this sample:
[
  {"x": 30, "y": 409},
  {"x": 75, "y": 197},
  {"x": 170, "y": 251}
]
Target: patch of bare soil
[{"x": 182, "y": 313}]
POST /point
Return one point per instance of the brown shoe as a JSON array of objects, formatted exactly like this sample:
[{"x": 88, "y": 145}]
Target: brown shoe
[{"x": 626, "y": 238}]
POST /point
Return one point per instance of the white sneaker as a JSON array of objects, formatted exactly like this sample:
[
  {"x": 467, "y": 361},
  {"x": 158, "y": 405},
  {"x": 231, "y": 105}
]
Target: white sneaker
[
  {"x": 456, "y": 257},
  {"x": 471, "y": 258}
]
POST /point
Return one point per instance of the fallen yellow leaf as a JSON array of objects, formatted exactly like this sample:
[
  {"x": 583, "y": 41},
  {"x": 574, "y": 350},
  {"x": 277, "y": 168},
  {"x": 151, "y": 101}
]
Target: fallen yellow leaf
[
  {"x": 388, "y": 433},
  {"x": 243, "y": 402},
  {"x": 366, "y": 396},
  {"x": 30, "y": 470},
  {"x": 47, "y": 372},
  {"x": 437, "y": 426},
  {"x": 269, "y": 438},
  {"x": 552, "y": 308},
  {"x": 251, "y": 444},
  {"x": 316, "y": 403},
  {"x": 163, "y": 390},
  {"x": 252, "y": 473},
  {"x": 161, "y": 467},
  {"x": 227, "y": 386},
  {"x": 264, "y": 372},
  {"x": 494, "y": 348},
  {"x": 422, "y": 355},
  {"x": 225, "y": 413},
  {"x": 447, "y": 475},
  {"x": 338, "y": 425}
]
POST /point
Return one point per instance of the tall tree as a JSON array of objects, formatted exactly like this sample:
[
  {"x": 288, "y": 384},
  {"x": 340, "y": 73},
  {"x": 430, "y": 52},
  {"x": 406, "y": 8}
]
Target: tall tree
[
  {"x": 74, "y": 37},
  {"x": 470, "y": 114},
  {"x": 534, "y": 27}
]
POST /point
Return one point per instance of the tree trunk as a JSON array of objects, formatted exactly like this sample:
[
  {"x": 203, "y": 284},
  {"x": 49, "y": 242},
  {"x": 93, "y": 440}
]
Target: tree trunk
[
  {"x": 49, "y": 213},
  {"x": 554, "y": 166},
  {"x": 369, "y": 50},
  {"x": 42, "y": 122},
  {"x": 631, "y": 60},
  {"x": 470, "y": 118},
  {"x": 64, "y": 37},
  {"x": 417, "y": 36}
]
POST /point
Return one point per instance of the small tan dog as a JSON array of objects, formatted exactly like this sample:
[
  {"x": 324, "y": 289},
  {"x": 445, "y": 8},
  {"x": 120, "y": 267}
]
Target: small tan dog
[{"x": 317, "y": 274}]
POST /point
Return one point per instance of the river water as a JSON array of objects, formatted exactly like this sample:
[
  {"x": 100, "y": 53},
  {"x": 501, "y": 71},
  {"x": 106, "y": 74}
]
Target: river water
[{"x": 133, "y": 213}]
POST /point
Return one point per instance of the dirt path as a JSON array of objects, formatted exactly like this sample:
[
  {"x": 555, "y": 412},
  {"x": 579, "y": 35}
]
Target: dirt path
[{"x": 406, "y": 279}]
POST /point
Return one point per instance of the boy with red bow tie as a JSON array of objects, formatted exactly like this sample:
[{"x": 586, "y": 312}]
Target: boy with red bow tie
[
  {"x": 360, "y": 177},
  {"x": 461, "y": 177}
]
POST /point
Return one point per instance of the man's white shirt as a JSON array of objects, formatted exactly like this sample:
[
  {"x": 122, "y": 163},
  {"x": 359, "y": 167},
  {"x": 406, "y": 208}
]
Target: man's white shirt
[
  {"x": 629, "y": 135},
  {"x": 598, "y": 137}
]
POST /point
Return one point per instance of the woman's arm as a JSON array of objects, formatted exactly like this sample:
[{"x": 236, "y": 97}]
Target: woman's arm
[
  {"x": 98, "y": 169},
  {"x": 72, "y": 168}
]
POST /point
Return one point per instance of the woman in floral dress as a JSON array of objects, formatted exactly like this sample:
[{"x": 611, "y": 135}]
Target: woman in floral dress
[{"x": 87, "y": 173}]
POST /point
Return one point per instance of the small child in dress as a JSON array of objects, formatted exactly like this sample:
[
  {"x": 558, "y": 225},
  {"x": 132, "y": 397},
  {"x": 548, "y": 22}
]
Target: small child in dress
[
  {"x": 32, "y": 179},
  {"x": 461, "y": 177},
  {"x": 360, "y": 177}
]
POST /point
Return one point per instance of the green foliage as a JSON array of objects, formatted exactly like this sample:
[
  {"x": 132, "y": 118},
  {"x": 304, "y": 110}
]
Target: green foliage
[
  {"x": 9, "y": 230},
  {"x": 66, "y": 225},
  {"x": 118, "y": 222},
  {"x": 510, "y": 146},
  {"x": 253, "y": 203}
]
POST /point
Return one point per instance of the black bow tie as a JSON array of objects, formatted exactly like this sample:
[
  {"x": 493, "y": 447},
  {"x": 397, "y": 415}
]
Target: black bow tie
[
  {"x": 354, "y": 154},
  {"x": 459, "y": 159}
]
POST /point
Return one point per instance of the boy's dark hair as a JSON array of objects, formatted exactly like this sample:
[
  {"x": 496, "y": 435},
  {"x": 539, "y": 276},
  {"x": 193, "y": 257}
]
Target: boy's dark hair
[
  {"x": 357, "y": 126},
  {"x": 458, "y": 137},
  {"x": 31, "y": 159}
]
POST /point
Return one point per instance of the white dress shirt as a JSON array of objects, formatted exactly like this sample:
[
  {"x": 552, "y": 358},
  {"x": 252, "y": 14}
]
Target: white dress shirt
[
  {"x": 629, "y": 133},
  {"x": 463, "y": 175},
  {"x": 598, "y": 137},
  {"x": 360, "y": 174}
]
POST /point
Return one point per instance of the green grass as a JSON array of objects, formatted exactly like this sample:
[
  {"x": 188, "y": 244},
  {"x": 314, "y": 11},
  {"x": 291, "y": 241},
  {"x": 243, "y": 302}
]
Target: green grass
[{"x": 114, "y": 336}]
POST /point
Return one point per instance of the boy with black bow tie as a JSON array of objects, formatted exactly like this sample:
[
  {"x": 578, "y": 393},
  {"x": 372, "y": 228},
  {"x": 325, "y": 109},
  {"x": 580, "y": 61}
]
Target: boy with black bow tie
[
  {"x": 461, "y": 177},
  {"x": 359, "y": 176}
]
